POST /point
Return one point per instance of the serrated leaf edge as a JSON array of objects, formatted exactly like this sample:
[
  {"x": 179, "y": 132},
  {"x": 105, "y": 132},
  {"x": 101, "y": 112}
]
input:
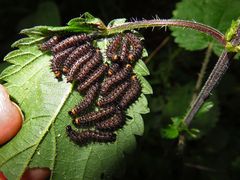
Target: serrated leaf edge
[
  {"x": 21, "y": 67},
  {"x": 52, "y": 120}
]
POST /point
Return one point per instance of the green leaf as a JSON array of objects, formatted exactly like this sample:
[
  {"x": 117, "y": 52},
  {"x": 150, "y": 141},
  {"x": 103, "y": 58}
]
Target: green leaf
[
  {"x": 141, "y": 68},
  {"x": 205, "y": 108},
  {"x": 232, "y": 31},
  {"x": 88, "y": 25},
  {"x": 88, "y": 19},
  {"x": 172, "y": 131},
  {"x": 45, "y": 101},
  {"x": 207, "y": 116},
  {"x": 178, "y": 104},
  {"x": 177, "y": 127},
  {"x": 146, "y": 87},
  {"x": 216, "y": 13},
  {"x": 3, "y": 65},
  {"x": 27, "y": 41},
  {"x": 43, "y": 31},
  {"x": 116, "y": 22}
]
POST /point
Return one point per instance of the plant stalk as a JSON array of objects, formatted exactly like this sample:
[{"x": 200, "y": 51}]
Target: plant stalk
[
  {"x": 202, "y": 72},
  {"x": 218, "y": 71},
  {"x": 167, "y": 22}
]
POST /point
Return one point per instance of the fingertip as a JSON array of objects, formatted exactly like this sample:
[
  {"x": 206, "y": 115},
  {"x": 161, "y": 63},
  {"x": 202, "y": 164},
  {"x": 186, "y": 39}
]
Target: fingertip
[
  {"x": 36, "y": 174},
  {"x": 11, "y": 117},
  {"x": 2, "y": 176}
]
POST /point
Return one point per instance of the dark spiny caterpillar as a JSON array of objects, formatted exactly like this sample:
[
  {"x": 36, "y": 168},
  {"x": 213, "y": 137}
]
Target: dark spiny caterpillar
[
  {"x": 77, "y": 65},
  {"x": 92, "y": 118},
  {"x": 87, "y": 101},
  {"x": 137, "y": 47},
  {"x": 114, "y": 123},
  {"x": 74, "y": 40},
  {"x": 114, "y": 95},
  {"x": 113, "y": 69},
  {"x": 88, "y": 136},
  {"x": 124, "y": 51},
  {"x": 95, "y": 76},
  {"x": 113, "y": 47},
  {"x": 109, "y": 82},
  {"x": 90, "y": 65},
  {"x": 58, "y": 61},
  {"x": 131, "y": 94},
  {"x": 76, "y": 54},
  {"x": 125, "y": 48},
  {"x": 50, "y": 43},
  {"x": 81, "y": 62}
]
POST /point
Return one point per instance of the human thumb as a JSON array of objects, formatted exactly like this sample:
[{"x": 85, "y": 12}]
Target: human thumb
[{"x": 11, "y": 117}]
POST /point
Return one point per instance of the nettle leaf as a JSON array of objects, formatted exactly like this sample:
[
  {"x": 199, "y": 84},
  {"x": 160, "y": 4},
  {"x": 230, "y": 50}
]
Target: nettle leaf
[
  {"x": 216, "y": 13},
  {"x": 45, "y": 101},
  {"x": 87, "y": 19},
  {"x": 116, "y": 22},
  {"x": 173, "y": 130}
]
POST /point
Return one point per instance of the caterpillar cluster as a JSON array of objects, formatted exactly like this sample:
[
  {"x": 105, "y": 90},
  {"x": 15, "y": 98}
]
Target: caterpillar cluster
[{"x": 113, "y": 88}]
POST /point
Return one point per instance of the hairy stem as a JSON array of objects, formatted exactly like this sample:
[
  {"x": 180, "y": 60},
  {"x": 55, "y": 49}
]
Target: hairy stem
[
  {"x": 215, "y": 76},
  {"x": 181, "y": 140},
  {"x": 218, "y": 71},
  {"x": 167, "y": 22},
  {"x": 202, "y": 72}
]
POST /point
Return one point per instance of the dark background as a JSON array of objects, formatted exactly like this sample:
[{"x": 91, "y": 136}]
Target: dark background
[{"x": 216, "y": 154}]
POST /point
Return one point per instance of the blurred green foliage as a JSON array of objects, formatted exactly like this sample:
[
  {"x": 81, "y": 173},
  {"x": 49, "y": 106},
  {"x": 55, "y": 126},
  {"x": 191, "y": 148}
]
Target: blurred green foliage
[{"x": 215, "y": 154}]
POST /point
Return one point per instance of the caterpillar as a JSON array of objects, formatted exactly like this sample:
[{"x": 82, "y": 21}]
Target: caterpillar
[
  {"x": 113, "y": 48},
  {"x": 50, "y": 43},
  {"x": 88, "y": 136},
  {"x": 131, "y": 94},
  {"x": 76, "y": 54},
  {"x": 113, "y": 69},
  {"x": 94, "y": 117},
  {"x": 80, "y": 61},
  {"x": 137, "y": 47},
  {"x": 116, "y": 78},
  {"x": 124, "y": 50},
  {"x": 58, "y": 61},
  {"x": 90, "y": 65},
  {"x": 74, "y": 40},
  {"x": 87, "y": 101},
  {"x": 114, "y": 95},
  {"x": 92, "y": 77},
  {"x": 114, "y": 123},
  {"x": 76, "y": 66}
]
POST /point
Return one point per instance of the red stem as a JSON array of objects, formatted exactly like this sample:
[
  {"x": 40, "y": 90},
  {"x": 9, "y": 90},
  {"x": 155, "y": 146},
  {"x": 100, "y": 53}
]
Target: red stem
[{"x": 170, "y": 22}]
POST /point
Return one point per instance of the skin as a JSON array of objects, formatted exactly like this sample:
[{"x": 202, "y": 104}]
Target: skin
[
  {"x": 36, "y": 174},
  {"x": 2, "y": 177},
  {"x": 11, "y": 117}
]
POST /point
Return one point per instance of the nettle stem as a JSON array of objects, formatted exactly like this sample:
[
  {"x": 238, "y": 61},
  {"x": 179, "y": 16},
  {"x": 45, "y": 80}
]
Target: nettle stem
[
  {"x": 168, "y": 22},
  {"x": 215, "y": 76},
  {"x": 202, "y": 73}
]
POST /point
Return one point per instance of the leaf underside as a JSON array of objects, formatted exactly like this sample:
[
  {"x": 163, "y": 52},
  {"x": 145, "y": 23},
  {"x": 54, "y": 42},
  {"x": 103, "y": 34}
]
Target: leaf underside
[{"x": 45, "y": 101}]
